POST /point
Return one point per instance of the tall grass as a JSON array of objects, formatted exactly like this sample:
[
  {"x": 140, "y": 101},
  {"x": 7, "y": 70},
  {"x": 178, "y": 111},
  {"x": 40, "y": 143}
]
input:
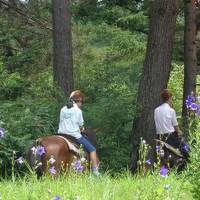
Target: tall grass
[{"x": 87, "y": 187}]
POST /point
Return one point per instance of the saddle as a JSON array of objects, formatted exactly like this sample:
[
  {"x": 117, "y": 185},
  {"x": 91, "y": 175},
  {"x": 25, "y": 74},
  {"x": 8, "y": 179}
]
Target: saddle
[
  {"x": 170, "y": 147},
  {"x": 74, "y": 146}
]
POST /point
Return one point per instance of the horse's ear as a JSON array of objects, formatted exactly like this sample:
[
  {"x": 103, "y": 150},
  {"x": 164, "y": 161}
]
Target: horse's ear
[{"x": 96, "y": 129}]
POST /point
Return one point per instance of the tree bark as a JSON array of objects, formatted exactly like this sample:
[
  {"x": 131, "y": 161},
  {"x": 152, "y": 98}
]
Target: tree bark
[
  {"x": 190, "y": 57},
  {"x": 156, "y": 71},
  {"x": 62, "y": 46}
]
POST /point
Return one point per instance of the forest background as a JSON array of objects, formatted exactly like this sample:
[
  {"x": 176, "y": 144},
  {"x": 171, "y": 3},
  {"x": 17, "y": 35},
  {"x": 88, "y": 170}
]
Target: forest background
[{"x": 109, "y": 44}]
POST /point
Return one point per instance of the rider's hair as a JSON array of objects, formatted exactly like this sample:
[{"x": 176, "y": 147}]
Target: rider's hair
[
  {"x": 75, "y": 97},
  {"x": 165, "y": 95}
]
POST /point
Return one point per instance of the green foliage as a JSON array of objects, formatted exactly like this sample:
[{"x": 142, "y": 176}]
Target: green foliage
[
  {"x": 12, "y": 85},
  {"x": 138, "y": 22},
  {"x": 109, "y": 75},
  {"x": 25, "y": 44},
  {"x": 25, "y": 120},
  {"x": 178, "y": 51},
  {"x": 26, "y": 113},
  {"x": 129, "y": 15},
  {"x": 176, "y": 85},
  {"x": 107, "y": 66}
]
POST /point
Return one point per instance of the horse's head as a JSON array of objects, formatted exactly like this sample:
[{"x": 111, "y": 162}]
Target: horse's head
[{"x": 90, "y": 132}]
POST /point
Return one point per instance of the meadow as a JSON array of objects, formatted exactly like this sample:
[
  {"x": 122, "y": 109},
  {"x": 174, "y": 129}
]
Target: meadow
[{"x": 79, "y": 186}]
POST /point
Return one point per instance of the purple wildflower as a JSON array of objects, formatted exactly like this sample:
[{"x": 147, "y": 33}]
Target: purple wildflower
[
  {"x": 77, "y": 166},
  {"x": 163, "y": 172},
  {"x": 190, "y": 98},
  {"x": 80, "y": 168},
  {"x": 194, "y": 107},
  {"x": 157, "y": 148},
  {"x": 77, "y": 163},
  {"x": 20, "y": 160},
  {"x": 189, "y": 101},
  {"x": 186, "y": 147},
  {"x": 1, "y": 133},
  {"x": 52, "y": 161},
  {"x": 40, "y": 150},
  {"x": 34, "y": 150},
  {"x": 148, "y": 162},
  {"x": 52, "y": 170},
  {"x": 56, "y": 197}
]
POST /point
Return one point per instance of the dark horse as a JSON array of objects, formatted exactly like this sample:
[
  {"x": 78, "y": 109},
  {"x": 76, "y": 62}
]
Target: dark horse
[
  {"x": 176, "y": 152},
  {"x": 61, "y": 150}
]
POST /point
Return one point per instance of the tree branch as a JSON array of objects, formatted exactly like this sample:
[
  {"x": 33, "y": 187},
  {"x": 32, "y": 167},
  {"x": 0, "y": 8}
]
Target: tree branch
[{"x": 30, "y": 18}]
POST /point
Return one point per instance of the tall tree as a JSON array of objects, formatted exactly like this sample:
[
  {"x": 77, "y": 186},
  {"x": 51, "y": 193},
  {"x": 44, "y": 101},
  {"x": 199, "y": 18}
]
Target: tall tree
[
  {"x": 62, "y": 46},
  {"x": 190, "y": 56},
  {"x": 156, "y": 71}
]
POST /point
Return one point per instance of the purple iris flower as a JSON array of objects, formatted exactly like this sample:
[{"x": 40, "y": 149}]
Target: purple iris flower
[
  {"x": 52, "y": 170},
  {"x": 163, "y": 172},
  {"x": 1, "y": 133},
  {"x": 56, "y": 197},
  {"x": 148, "y": 162},
  {"x": 40, "y": 150},
  {"x": 20, "y": 160}
]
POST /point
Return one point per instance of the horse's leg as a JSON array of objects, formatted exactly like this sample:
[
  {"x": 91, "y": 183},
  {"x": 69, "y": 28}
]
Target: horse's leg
[
  {"x": 62, "y": 155},
  {"x": 64, "y": 160}
]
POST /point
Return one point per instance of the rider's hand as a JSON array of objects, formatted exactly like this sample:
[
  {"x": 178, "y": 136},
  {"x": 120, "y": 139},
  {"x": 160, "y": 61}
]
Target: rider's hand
[{"x": 82, "y": 128}]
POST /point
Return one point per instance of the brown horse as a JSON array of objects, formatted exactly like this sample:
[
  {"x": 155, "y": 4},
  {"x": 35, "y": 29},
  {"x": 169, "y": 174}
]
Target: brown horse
[{"x": 61, "y": 149}]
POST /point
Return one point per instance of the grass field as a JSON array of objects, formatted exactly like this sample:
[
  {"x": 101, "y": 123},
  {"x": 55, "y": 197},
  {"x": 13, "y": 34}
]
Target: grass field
[{"x": 86, "y": 187}]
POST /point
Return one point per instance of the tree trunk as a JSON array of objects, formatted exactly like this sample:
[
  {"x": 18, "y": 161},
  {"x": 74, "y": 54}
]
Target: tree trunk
[
  {"x": 156, "y": 71},
  {"x": 190, "y": 57},
  {"x": 62, "y": 46}
]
